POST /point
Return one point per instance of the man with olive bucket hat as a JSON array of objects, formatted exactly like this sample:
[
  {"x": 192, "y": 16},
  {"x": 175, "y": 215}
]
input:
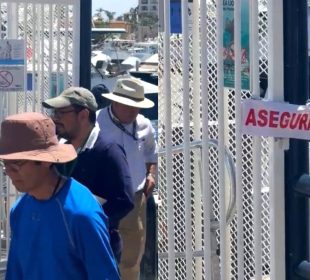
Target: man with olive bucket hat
[
  {"x": 121, "y": 123},
  {"x": 58, "y": 229},
  {"x": 100, "y": 165}
]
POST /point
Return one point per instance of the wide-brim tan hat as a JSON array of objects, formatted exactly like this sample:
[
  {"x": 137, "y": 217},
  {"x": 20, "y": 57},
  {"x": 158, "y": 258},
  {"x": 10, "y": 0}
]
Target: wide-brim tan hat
[
  {"x": 32, "y": 136},
  {"x": 130, "y": 92}
]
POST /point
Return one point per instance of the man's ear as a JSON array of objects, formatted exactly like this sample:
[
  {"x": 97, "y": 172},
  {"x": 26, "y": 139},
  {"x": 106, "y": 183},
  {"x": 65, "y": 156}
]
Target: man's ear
[{"x": 84, "y": 114}]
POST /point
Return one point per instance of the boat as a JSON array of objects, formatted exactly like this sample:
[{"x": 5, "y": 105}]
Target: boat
[
  {"x": 144, "y": 50},
  {"x": 147, "y": 70},
  {"x": 116, "y": 58},
  {"x": 103, "y": 70}
]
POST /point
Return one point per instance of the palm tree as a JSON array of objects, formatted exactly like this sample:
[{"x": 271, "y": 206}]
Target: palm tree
[
  {"x": 99, "y": 13},
  {"x": 148, "y": 19},
  {"x": 110, "y": 15},
  {"x": 99, "y": 18},
  {"x": 132, "y": 18}
]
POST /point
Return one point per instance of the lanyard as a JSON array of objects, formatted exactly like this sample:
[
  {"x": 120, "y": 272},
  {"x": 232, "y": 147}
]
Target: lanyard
[{"x": 122, "y": 127}]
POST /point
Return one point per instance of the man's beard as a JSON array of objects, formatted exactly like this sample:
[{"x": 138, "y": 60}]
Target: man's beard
[{"x": 62, "y": 134}]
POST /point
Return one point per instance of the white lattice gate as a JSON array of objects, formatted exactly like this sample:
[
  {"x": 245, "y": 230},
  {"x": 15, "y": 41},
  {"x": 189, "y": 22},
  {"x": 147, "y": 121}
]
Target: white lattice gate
[
  {"x": 221, "y": 212},
  {"x": 50, "y": 30}
]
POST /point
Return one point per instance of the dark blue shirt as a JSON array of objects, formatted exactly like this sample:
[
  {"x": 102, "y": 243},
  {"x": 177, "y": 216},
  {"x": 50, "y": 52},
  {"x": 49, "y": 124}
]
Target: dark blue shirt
[{"x": 104, "y": 170}]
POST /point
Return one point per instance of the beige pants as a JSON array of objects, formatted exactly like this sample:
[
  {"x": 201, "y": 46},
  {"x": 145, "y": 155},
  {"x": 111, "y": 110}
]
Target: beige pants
[{"x": 133, "y": 231}]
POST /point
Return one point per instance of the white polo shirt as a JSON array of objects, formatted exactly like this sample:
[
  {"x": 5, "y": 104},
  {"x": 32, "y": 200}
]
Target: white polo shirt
[{"x": 139, "y": 151}]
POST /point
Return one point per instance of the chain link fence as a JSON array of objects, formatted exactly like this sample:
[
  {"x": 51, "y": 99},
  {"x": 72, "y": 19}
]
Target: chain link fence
[{"x": 196, "y": 201}]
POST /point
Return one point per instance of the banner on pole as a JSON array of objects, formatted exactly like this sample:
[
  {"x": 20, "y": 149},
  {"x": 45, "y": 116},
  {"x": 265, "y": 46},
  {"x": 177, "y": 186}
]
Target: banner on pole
[{"x": 228, "y": 44}]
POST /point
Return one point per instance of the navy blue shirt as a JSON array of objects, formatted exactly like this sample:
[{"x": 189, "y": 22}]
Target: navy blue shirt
[{"x": 104, "y": 170}]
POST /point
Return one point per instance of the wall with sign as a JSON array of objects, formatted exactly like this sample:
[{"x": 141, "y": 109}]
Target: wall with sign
[{"x": 12, "y": 65}]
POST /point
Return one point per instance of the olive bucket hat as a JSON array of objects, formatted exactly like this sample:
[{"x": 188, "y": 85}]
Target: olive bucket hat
[{"x": 72, "y": 96}]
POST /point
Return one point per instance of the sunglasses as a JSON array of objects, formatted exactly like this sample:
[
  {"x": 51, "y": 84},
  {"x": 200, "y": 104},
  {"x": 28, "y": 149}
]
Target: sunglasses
[
  {"x": 56, "y": 113},
  {"x": 14, "y": 165}
]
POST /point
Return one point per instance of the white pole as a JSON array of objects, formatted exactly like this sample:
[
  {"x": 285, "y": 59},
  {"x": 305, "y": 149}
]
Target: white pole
[
  {"x": 257, "y": 200},
  {"x": 168, "y": 142},
  {"x": 12, "y": 34},
  {"x": 196, "y": 48},
  {"x": 239, "y": 208},
  {"x": 186, "y": 137},
  {"x": 35, "y": 102},
  {"x": 221, "y": 141},
  {"x": 76, "y": 43},
  {"x": 206, "y": 188},
  {"x": 275, "y": 91},
  {"x": 51, "y": 49},
  {"x": 67, "y": 31}
]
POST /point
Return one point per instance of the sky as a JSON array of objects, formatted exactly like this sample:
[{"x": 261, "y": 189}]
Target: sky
[{"x": 118, "y": 6}]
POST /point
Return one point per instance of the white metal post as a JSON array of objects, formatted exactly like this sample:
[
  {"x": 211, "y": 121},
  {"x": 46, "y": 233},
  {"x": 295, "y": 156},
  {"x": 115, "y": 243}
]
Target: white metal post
[
  {"x": 196, "y": 95},
  {"x": 221, "y": 143},
  {"x": 257, "y": 142},
  {"x": 276, "y": 92},
  {"x": 239, "y": 207},
  {"x": 168, "y": 141},
  {"x": 76, "y": 44},
  {"x": 206, "y": 187},
  {"x": 186, "y": 139}
]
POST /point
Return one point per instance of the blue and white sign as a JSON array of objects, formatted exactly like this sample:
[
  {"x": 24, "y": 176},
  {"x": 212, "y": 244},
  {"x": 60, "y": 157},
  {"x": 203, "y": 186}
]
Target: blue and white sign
[
  {"x": 12, "y": 52},
  {"x": 12, "y": 65},
  {"x": 11, "y": 78}
]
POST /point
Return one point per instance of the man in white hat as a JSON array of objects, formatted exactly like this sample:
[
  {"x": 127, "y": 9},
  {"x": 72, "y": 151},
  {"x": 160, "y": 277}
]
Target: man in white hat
[
  {"x": 122, "y": 123},
  {"x": 58, "y": 228}
]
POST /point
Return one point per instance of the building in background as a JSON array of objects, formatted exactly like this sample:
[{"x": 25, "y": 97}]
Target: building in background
[
  {"x": 121, "y": 24},
  {"x": 148, "y": 20},
  {"x": 148, "y": 6}
]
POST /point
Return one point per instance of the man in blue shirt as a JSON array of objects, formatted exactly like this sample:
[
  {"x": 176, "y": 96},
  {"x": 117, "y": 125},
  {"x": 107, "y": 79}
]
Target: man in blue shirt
[
  {"x": 58, "y": 229},
  {"x": 121, "y": 123},
  {"x": 101, "y": 165}
]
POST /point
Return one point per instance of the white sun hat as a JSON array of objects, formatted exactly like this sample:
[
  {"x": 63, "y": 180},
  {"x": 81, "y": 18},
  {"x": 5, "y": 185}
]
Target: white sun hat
[{"x": 129, "y": 91}]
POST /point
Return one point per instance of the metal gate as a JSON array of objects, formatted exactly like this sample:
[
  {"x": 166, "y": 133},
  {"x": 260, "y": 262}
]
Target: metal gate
[
  {"x": 221, "y": 193},
  {"x": 50, "y": 30}
]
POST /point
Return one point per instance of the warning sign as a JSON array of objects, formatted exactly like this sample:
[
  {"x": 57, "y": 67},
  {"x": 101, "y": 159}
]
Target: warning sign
[
  {"x": 12, "y": 65},
  {"x": 6, "y": 79},
  {"x": 12, "y": 78},
  {"x": 276, "y": 119}
]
